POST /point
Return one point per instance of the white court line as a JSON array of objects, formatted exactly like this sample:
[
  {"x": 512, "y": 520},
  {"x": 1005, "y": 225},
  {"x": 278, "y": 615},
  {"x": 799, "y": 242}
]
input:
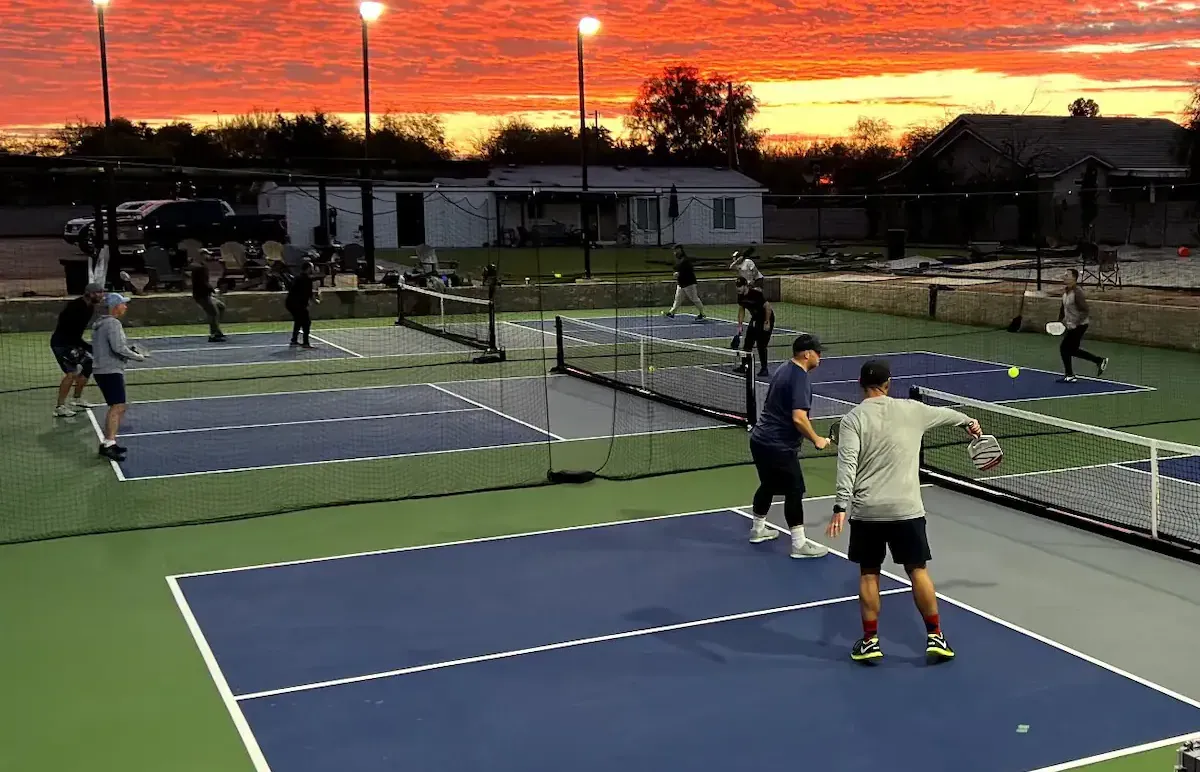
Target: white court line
[
  {"x": 597, "y": 438},
  {"x": 298, "y": 423},
  {"x": 214, "y": 671},
  {"x": 354, "y": 354},
  {"x": 540, "y": 329},
  {"x": 213, "y": 347},
  {"x": 557, "y": 646},
  {"x": 100, "y": 433},
  {"x": 1120, "y": 753},
  {"x": 344, "y": 388},
  {"x": 491, "y": 409},
  {"x": 461, "y": 542},
  {"x": 1017, "y": 628}
]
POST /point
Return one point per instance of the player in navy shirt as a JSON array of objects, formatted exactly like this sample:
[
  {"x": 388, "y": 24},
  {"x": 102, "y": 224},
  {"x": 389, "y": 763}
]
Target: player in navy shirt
[{"x": 783, "y": 424}]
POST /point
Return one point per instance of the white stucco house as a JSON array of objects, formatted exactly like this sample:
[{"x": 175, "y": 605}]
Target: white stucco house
[{"x": 528, "y": 205}]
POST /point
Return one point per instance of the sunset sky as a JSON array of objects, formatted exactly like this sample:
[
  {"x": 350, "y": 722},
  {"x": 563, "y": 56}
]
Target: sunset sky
[{"x": 815, "y": 66}]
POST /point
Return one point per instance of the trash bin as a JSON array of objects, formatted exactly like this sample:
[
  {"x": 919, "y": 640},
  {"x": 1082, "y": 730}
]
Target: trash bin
[
  {"x": 76, "y": 272},
  {"x": 896, "y": 238}
]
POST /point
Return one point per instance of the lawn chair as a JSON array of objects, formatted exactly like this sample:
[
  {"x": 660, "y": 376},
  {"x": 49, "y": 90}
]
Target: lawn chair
[
  {"x": 1101, "y": 264},
  {"x": 161, "y": 272},
  {"x": 233, "y": 262}
]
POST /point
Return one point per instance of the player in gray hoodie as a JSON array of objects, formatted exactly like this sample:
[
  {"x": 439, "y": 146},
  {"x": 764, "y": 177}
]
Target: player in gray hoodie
[{"x": 110, "y": 353}]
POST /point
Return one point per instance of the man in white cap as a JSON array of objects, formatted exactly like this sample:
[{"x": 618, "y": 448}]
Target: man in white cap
[
  {"x": 111, "y": 351},
  {"x": 746, "y": 268},
  {"x": 72, "y": 352}
]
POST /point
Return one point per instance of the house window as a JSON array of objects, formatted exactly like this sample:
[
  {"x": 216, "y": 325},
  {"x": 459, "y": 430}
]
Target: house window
[
  {"x": 645, "y": 214},
  {"x": 724, "y": 214}
]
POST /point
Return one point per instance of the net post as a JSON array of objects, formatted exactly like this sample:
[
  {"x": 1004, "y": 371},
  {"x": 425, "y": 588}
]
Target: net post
[
  {"x": 751, "y": 393},
  {"x": 560, "y": 354},
  {"x": 1154, "y": 481},
  {"x": 642, "y": 362}
]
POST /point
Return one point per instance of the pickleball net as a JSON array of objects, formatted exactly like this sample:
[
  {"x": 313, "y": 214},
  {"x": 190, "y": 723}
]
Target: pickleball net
[
  {"x": 701, "y": 379},
  {"x": 465, "y": 320},
  {"x": 1137, "y": 484}
]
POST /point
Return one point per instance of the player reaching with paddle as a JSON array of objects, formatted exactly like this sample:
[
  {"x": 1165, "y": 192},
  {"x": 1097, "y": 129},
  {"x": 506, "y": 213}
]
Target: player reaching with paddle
[
  {"x": 1073, "y": 315},
  {"x": 879, "y": 445}
]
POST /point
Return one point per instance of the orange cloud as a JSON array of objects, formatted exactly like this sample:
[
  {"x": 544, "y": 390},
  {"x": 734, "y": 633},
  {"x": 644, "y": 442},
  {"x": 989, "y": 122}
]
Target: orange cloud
[{"x": 480, "y": 60}]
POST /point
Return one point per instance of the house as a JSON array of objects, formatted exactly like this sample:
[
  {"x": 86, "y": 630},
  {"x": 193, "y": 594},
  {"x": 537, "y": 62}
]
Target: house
[
  {"x": 1134, "y": 162},
  {"x": 528, "y": 205}
]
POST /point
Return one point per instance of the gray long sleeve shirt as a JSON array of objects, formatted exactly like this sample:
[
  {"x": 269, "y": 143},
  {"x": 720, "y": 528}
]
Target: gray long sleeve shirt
[
  {"x": 879, "y": 445},
  {"x": 110, "y": 347}
]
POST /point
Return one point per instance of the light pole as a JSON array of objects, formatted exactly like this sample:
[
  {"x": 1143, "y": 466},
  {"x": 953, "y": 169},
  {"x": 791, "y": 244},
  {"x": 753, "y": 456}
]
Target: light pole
[
  {"x": 369, "y": 12},
  {"x": 587, "y": 27},
  {"x": 107, "y": 234}
]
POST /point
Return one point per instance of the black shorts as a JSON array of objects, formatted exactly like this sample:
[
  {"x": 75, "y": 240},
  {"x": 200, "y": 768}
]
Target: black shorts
[
  {"x": 73, "y": 360},
  {"x": 778, "y": 470},
  {"x": 906, "y": 539},
  {"x": 112, "y": 386}
]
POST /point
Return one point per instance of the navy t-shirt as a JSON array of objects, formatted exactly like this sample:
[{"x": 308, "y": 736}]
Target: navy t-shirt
[{"x": 789, "y": 390}]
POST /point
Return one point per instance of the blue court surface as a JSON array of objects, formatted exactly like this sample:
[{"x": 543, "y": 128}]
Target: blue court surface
[
  {"x": 203, "y": 435},
  {"x": 248, "y": 348},
  {"x": 660, "y": 644}
]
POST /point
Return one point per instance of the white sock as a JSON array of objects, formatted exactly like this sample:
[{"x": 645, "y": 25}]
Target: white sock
[
  {"x": 798, "y": 535},
  {"x": 760, "y": 523},
  {"x": 108, "y": 443}
]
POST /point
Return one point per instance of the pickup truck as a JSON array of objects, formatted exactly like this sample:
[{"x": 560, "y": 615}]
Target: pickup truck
[
  {"x": 79, "y": 231},
  {"x": 210, "y": 221}
]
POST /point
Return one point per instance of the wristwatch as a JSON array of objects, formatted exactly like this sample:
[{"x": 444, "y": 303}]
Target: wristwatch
[{"x": 838, "y": 509}]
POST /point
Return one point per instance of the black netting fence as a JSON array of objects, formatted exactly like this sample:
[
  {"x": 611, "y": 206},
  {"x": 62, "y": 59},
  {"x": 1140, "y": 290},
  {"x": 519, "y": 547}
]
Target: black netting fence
[{"x": 480, "y": 341}]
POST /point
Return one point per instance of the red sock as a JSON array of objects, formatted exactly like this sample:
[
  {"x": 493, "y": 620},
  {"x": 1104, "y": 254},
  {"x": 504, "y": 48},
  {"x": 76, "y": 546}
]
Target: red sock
[
  {"x": 870, "y": 629},
  {"x": 932, "y": 625}
]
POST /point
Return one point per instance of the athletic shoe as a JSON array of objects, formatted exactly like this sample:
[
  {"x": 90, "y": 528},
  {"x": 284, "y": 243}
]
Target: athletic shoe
[
  {"x": 63, "y": 411},
  {"x": 294, "y": 343},
  {"x": 217, "y": 339},
  {"x": 82, "y": 404},
  {"x": 936, "y": 648},
  {"x": 701, "y": 318},
  {"x": 112, "y": 452},
  {"x": 306, "y": 344},
  {"x": 765, "y": 533},
  {"x": 765, "y": 371},
  {"x": 1100, "y": 368},
  {"x": 809, "y": 549},
  {"x": 740, "y": 369},
  {"x": 867, "y": 651},
  {"x": 668, "y": 314},
  {"x": 1068, "y": 379}
]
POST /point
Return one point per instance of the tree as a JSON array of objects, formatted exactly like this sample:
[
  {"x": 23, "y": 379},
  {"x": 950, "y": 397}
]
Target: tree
[
  {"x": 685, "y": 115},
  {"x": 1191, "y": 122},
  {"x": 517, "y": 141},
  {"x": 916, "y": 138},
  {"x": 1084, "y": 108},
  {"x": 414, "y": 138},
  {"x": 871, "y": 133}
]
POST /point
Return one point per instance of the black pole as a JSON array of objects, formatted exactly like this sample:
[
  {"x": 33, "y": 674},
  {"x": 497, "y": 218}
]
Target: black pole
[
  {"x": 110, "y": 232},
  {"x": 368, "y": 192},
  {"x": 583, "y": 163}
]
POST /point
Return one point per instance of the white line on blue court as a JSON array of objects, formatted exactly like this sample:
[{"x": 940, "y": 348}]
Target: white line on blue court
[
  {"x": 214, "y": 671},
  {"x": 354, "y": 354},
  {"x": 491, "y": 409},
  {"x": 559, "y": 645},
  {"x": 100, "y": 433},
  {"x": 306, "y": 421}
]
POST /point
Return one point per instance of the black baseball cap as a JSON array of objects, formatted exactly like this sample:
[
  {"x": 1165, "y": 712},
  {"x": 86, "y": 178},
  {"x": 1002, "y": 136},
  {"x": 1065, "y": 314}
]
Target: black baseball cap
[
  {"x": 806, "y": 342},
  {"x": 874, "y": 374}
]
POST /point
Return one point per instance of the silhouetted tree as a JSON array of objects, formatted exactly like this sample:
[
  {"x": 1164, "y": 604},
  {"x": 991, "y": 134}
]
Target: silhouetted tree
[
  {"x": 1084, "y": 108},
  {"x": 516, "y": 141},
  {"x": 687, "y": 116},
  {"x": 416, "y": 138},
  {"x": 1191, "y": 122},
  {"x": 916, "y": 138}
]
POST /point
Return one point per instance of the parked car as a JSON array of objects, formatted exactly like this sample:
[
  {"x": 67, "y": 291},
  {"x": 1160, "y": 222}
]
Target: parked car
[
  {"x": 79, "y": 231},
  {"x": 210, "y": 221}
]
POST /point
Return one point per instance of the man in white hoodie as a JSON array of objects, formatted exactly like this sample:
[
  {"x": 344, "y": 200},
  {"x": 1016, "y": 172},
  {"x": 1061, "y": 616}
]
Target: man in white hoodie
[{"x": 110, "y": 352}]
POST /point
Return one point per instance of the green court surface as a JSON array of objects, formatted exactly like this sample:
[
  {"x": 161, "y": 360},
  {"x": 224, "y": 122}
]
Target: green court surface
[{"x": 103, "y": 672}]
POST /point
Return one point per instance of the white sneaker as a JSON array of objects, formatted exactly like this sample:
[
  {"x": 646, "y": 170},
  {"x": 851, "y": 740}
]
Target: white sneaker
[
  {"x": 765, "y": 533},
  {"x": 63, "y": 411},
  {"x": 809, "y": 549}
]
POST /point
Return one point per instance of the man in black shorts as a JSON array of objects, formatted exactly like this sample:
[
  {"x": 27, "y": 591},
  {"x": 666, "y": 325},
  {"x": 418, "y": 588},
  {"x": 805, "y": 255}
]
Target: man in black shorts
[
  {"x": 879, "y": 446},
  {"x": 775, "y": 447},
  {"x": 72, "y": 352},
  {"x": 762, "y": 322}
]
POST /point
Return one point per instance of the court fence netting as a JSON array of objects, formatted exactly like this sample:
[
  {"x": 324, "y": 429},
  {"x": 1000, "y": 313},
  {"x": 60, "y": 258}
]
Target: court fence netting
[
  {"x": 426, "y": 388},
  {"x": 1124, "y": 483}
]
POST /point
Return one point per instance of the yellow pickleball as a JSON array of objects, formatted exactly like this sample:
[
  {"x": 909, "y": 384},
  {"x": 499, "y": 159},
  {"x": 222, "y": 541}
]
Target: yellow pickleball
[
  {"x": 650, "y": 368},
  {"x": 1013, "y": 372}
]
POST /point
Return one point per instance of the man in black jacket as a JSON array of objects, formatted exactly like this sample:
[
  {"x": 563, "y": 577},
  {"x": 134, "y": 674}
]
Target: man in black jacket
[
  {"x": 205, "y": 297},
  {"x": 72, "y": 352},
  {"x": 685, "y": 277}
]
